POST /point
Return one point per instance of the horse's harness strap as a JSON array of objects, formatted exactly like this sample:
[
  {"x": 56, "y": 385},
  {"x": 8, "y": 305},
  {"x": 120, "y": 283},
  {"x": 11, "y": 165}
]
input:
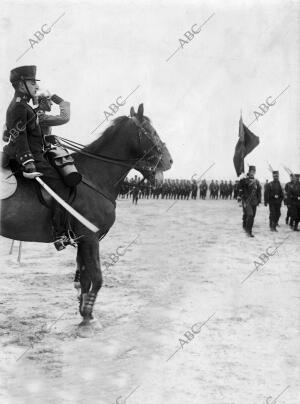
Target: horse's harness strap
[
  {"x": 142, "y": 130},
  {"x": 93, "y": 155},
  {"x": 95, "y": 188},
  {"x": 77, "y": 147}
]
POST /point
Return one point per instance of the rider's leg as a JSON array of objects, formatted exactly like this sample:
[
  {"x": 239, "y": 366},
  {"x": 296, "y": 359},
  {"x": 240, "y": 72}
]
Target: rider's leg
[{"x": 55, "y": 182}]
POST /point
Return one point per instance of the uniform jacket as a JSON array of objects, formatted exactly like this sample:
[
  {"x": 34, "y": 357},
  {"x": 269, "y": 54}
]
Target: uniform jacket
[
  {"x": 47, "y": 121},
  {"x": 286, "y": 190},
  {"x": 273, "y": 193},
  {"x": 294, "y": 194},
  {"x": 23, "y": 129},
  {"x": 250, "y": 191}
]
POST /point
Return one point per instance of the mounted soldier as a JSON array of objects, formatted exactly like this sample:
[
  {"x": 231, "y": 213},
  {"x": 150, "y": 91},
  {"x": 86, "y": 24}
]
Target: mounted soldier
[
  {"x": 134, "y": 143},
  {"x": 26, "y": 147}
]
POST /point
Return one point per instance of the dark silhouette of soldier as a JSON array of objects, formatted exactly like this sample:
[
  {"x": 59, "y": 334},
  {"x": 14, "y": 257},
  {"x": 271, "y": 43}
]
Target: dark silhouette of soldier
[
  {"x": 273, "y": 196},
  {"x": 250, "y": 192},
  {"x": 294, "y": 196},
  {"x": 287, "y": 202}
]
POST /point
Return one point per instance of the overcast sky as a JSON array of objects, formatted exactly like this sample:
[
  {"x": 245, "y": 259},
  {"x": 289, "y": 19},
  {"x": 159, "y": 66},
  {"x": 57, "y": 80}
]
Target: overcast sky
[{"x": 99, "y": 50}]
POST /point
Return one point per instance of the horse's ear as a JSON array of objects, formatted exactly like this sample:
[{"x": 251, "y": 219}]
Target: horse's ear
[
  {"x": 140, "y": 112},
  {"x": 132, "y": 112}
]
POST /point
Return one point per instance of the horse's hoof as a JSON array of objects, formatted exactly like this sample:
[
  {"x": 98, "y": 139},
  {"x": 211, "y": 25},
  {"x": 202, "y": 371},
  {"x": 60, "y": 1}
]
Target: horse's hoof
[{"x": 89, "y": 327}]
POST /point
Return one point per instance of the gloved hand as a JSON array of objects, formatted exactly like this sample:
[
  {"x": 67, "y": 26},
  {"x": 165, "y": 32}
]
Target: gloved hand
[
  {"x": 30, "y": 171},
  {"x": 41, "y": 95}
]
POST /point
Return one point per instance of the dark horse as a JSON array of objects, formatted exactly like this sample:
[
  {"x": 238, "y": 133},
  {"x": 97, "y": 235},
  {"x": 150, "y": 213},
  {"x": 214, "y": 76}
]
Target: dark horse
[{"x": 130, "y": 142}]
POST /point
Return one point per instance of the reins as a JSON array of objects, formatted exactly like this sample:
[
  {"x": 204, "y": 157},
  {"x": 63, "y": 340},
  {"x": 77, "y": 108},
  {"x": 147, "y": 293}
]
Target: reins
[
  {"x": 129, "y": 163},
  {"x": 79, "y": 148}
]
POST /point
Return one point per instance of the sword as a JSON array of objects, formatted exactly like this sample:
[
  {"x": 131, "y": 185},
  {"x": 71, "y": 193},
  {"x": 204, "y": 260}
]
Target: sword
[{"x": 69, "y": 208}]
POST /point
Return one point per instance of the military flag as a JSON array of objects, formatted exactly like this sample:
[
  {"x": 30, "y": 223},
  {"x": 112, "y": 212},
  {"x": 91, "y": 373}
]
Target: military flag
[{"x": 246, "y": 143}]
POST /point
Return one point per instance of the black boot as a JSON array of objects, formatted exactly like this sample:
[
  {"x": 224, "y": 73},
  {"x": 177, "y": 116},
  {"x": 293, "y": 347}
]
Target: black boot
[
  {"x": 249, "y": 225},
  {"x": 61, "y": 240}
]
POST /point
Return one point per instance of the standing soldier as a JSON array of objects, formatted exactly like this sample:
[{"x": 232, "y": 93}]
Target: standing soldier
[
  {"x": 287, "y": 202},
  {"x": 222, "y": 189},
  {"x": 225, "y": 190},
  {"x": 230, "y": 189},
  {"x": 273, "y": 196},
  {"x": 294, "y": 196},
  {"x": 188, "y": 189},
  {"x": 203, "y": 189},
  {"x": 135, "y": 193},
  {"x": 194, "y": 190},
  {"x": 216, "y": 191},
  {"x": 236, "y": 190},
  {"x": 200, "y": 191},
  {"x": 250, "y": 192},
  {"x": 211, "y": 189}
]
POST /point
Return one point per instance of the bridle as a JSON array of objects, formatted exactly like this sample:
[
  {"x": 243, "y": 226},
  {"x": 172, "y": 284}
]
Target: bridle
[
  {"x": 156, "y": 144},
  {"x": 144, "y": 164}
]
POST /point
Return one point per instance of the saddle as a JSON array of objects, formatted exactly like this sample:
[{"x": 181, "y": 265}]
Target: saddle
[
  {"x": 8, "y": 180},
  {"x": 9, "y": 183}
]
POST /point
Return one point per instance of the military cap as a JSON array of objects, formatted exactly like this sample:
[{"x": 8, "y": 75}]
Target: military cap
[
  {"x": 252, "y": 168},
  {"x": 275, "y": 172},
  {"x": 23, "y": 73}
]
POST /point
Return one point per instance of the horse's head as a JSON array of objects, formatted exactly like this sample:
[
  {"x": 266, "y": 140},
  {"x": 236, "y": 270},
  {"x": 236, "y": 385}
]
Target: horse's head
[{"x": 153, "y": 157}]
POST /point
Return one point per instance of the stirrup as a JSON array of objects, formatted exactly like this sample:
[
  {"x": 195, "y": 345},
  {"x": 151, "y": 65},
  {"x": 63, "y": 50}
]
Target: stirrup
[
  {"x": 61, "y": 242},
  {"x": 64, "y": 240},
  {"x": 72, "y": 240}
]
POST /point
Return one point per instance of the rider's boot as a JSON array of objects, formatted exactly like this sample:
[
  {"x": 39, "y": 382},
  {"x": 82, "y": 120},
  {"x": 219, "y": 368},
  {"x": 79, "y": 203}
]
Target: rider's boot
[{"x": 61, "y": 240}]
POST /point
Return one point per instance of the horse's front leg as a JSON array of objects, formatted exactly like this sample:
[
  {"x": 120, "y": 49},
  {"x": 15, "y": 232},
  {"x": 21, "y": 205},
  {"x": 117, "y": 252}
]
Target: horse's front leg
[{"x": 90, "y": 277}]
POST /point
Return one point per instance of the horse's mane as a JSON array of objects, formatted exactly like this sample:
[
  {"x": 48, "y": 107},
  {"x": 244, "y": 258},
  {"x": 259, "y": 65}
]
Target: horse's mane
[{"x": 110, "y": 131}]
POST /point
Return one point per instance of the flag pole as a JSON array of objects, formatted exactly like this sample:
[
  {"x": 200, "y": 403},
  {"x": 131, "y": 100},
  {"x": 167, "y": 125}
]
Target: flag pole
[{"x": 69, "y": 208}]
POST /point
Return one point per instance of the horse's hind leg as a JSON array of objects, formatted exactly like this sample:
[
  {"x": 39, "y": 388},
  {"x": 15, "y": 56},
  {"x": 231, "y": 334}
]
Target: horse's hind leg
[{"x": 90, "y": 276}]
